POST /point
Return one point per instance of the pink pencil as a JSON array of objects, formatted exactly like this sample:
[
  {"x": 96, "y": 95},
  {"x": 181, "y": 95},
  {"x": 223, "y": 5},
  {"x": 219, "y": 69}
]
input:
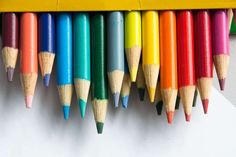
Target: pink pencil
[{"x": 220, "y": 43}]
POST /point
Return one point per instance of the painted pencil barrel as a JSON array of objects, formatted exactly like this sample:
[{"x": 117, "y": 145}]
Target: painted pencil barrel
[
  {"x": 186, "y": 66},
  {"x": 115, "y": 53},
  {"x": 81, "y": 39},
  {"x": 28, "y": 55},
  {"x": 126, "y": 85},
  {"x": 168, "y": 66},
  {"x": 99, "y": 73},
  {"x": 133, "y": 41},
  {"x": 220, "y": 42},
  {"x": 10, "y": 46},
  {"x": 64, "y": 60},
  {"x": 46, "y": 45},
  {"x": 150, "y": 51},
  {"x": 203, "y": 55}
]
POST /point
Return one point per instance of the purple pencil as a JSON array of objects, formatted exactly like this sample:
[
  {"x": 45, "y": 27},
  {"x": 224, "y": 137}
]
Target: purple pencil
[
  {"x": 220, "y": 39},
  {"x": 10, "y": 42}
]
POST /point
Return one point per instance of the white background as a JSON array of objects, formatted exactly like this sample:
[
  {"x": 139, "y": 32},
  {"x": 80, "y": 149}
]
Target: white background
[{"x": 137, "y": 131}]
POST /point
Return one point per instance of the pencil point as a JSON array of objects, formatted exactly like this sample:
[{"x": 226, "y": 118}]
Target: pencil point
[
  {"x": 82, "y": 106},
  {"x": 187, "y": 117},
  {"x": 46, "y": 80},
  {"x": 177, "y": 103},
  {"x": 141, "y": 92},
  {"x": 151, "y": 92},
  {"x": 99, "y": 127},
  {"x": 205, "y": 103},
  {"x": 159, "y": 107},
  {"x": 66, "y": 112},
  {"x": 125, "y": 101},
  {"x": 222, "y": 84},
  {"x": 170, "y": 116},
  {"x": 10, "y": 73},
  {"x": 133, "y": 74},
  {"x": 116, "y": 97},
  {"x": 28, "y": 101}
]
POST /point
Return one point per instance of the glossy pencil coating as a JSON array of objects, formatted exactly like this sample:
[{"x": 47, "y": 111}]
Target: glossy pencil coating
[
  {"x": 203, "y": 55},
  {"x": 10, "y": 33},
  {"x": 115, "y": 53},
  {"x": 64, "y": 60},
  {"x": 150, "y": 51},
  {"x": 28, "y": 55},
  {"x": 168, "y": 61},
  {"x": 99, "y": 92},
  {"x": 126, "y": 85},
  {"x": 133, "y": 41},
  {"x": 81, "y": 39},
  {"x": 220, "y": 43},
  {"x": 186, "y": 66},
  {"x": 46, "y": 45}
]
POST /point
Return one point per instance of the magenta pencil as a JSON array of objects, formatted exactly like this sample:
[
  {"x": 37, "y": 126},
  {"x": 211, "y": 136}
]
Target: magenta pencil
[{"x": 220, "y": 43}]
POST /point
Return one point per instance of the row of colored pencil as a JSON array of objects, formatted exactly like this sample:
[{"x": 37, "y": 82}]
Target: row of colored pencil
[{"x": 89, "y": 47}]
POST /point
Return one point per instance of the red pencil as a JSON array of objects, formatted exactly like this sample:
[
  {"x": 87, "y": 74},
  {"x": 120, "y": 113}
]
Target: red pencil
[
  {"x": 186, "y": 67},
  {"x": 203, "y": 55}
]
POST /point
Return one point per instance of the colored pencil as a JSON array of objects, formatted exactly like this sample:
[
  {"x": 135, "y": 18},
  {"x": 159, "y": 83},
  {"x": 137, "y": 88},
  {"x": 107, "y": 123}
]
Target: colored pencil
[
  {"x": 186, "y": 66},
  {"x": 115, "y": 52},
  {"x": 81, "y": 27},
  {"x": 203, "y": 55},
  {"x": 99, "y": 75},
  {"x": 230, "y": 15},
  {"x": 10, "y": 47},
  {"x": 46, "y": 45},
  {"x": 150, "y": 51},
  {"x": 168, "y": 68},
  {"x": 158, "y": 99},
  {"x": 126, "y": 85},
  {"x": 220, "y": 43},
  {"x": 195, "y": 98},
  {"x": 64, "y": 61},
  {"x": 177, "y": 102},
  {"x": 28, "y": 55},
  {"x": 133, "y": 41},
  {"x": 140, "y": 81}
]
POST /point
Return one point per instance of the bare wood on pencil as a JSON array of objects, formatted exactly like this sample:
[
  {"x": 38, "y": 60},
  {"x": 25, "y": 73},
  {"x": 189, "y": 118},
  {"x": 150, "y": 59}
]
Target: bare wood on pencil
[
  {"x": 125, "y": 90},
  {"x": 46, "y": 60},
  {"x": 158, "y": 96},
  {"x": 28, "y": 82},
  {"x": 187, "y": 95},
  {"x": 204, "y": 86},
  {"x": 115, "y": 79},
  {"x": 140, "y": 78},
  {"x": 221, "y": 63},
  {"x": 65, "y": 94},
  {"x": 169, "y": 97},
  {"x": 99, "y": 109},
  {"x": 230, "y": 17},
  {"x": 82, "y": 87},
  {"x": 9, "y": 56}
]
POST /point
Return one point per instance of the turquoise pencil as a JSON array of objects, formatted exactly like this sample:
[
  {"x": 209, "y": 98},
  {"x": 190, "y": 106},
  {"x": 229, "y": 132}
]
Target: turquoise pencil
[
  {"x": 115, "y": 52},
  {"x": 81, "y": 39},
  {"x": 64, "y": 60},
  {"x": 125, "y": 89}
]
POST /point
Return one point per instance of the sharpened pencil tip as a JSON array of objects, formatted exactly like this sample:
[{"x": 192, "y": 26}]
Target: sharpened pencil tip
[
  {"x": 82, "y": 106},
  {"x": 133, "y": 74},
  {"x": 222, "y": 84},
  {"x": 141, "y": 92},
  {"x": 151, "y": 92},
  {"x": 66, "y": 111},
  {"x": 205, "y": 103},
  {"x": 28, "y": 101},
  {"x": 170, "y": 116},
  {"x": 99, "y": 127},
  {"x": 125, "y": 101},
  {"x": 10, "y": 73},
  {"x": 116, "y": 97},
  {"x": 159, "y": 107},
  {"x": 187, "y": 117},
  {"x": 46, "y": 80}
]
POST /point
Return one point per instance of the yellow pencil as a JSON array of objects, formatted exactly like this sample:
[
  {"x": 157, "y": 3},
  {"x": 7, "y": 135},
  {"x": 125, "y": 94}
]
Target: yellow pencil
[
  {"x": 133, "y": 41},
  {"x": 150, "y": 52}
]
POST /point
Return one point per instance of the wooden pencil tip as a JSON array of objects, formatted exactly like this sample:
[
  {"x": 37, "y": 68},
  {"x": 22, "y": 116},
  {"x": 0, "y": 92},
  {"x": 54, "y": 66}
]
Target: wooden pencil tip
[
  {"x": 82, "y": 106},
  {"x": 159, "y": 106},
  {"x": 222, "y": 84},
  {"x": 133, "y": 74},
  {"x": 170, "y": 116},
  {"x": 125, "y": 101},
  {"x": 66, "y": 111},
  {"x": 46, "y": 79},
  {"x": 116, "y": 97},
  {"x": 151, "y": 92},
  {"x": 28, "y": 101},
  {"x": 10, "y": 73},
  {"x": 205, "y": 103},
  {"x": 99, "y": 126},
  {"x": 187, "y": 117}
]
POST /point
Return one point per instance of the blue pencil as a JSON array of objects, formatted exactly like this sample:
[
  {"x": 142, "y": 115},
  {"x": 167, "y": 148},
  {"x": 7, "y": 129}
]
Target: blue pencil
[
  {"x": 64, "y": 60},
  {"x": 46, "y": 45},
  {"x": 115, "y": 52}
]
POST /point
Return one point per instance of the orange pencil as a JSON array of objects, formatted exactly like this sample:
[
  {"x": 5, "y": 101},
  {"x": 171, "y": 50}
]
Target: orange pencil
[
  {"x": 168, "y": 48},
  {"x": 28, "y": 55}
]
